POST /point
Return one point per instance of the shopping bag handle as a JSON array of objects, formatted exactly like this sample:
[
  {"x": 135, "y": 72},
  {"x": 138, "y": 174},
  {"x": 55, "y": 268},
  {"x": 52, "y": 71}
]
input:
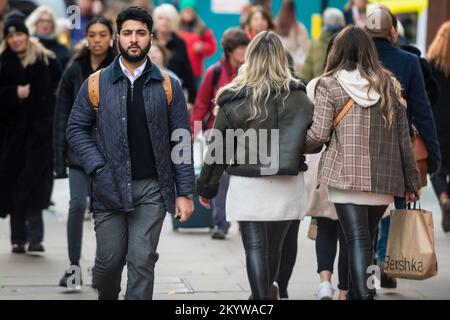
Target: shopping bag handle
[{"x": 415, "y": 205}]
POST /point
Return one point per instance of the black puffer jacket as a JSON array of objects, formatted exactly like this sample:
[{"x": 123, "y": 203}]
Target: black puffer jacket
[
  {"x": 293, "y": 118},
  {"x": 71, "y": 82},
  {"x": 107, "y": 146}
]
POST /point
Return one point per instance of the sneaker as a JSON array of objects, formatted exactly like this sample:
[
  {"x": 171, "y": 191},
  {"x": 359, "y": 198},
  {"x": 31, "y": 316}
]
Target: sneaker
[
  {"x": 325, "y": 291},
  {"x": 18, "y": 248},
  {"x": 36, "y": 247},
  {"x": 65, "y": 278},
  {"x": 219, "y": 234},
  {"x": 387, "y": 281}
]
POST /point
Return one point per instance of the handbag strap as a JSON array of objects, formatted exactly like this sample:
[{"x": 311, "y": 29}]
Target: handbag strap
[{"x": 343, "y": 112}]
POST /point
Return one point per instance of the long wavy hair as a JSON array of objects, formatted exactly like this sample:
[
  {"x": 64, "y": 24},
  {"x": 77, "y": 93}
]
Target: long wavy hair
[
  {"x": 265, "y": 74},
  {"x": 354, "y": 49},
  {"x": 439, "y": 51}
]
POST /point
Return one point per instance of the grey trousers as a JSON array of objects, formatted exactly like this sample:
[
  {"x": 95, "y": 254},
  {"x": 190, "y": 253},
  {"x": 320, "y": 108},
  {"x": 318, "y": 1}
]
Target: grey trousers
[
  {"x": 219, "y": 202},
  {"x": 130, "y": 238},
  {"x": 78, "y": 183}
]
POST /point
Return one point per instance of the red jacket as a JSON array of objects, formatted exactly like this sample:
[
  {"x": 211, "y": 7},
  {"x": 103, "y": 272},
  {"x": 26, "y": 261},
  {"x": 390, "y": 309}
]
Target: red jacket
[
  {"x": 207, "y": 93},
  {"x": 209, "y": 48}
]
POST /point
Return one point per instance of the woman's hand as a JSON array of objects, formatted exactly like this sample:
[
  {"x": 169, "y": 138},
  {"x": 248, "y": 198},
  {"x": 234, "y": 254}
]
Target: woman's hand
[
  {"x": 204, "y": 202},
  {"x": 412, "y": 196}
]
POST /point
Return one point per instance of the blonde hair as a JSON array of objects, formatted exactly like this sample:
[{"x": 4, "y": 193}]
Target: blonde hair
[
  {"x": 169, "y": 11},
  {"x": 35, "y": 51},
  {"x": 33, "y": 18},
  {"x": 439, "y": 51},
  {"x": 264, "y": 72}
]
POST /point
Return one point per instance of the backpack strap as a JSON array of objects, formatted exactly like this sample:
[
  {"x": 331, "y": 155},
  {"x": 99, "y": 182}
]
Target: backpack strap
[
  {"x": 343, "y": 112},
  {"x": 216, "y": 74},
  {"x": 94, "y": 89},
  {"x": 167, "y": 88}
]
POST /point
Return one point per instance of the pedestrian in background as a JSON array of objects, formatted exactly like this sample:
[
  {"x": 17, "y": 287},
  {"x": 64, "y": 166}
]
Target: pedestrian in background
[
  {"x": 333, "y": 22},
  {"x": 355, "y": 13},
  {"x": 199, "y": 39},
  {"x": 293, "y": 34},
  {"x": 166, "y": 27},
  {"x": 29, "y": 77},
  {"x": 42, "y": 24},
  {"x": 407, "y": 70},
  {"x": 98, "y": 54},
  {"x": 234, "y": 44},
  {"x": 439, "y": 58},
  {"x": 258, "y": 19}
]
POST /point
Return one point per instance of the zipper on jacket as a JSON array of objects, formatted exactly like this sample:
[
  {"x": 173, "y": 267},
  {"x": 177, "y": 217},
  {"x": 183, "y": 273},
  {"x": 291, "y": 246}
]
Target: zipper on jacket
[{"x": 132, "y": 93}]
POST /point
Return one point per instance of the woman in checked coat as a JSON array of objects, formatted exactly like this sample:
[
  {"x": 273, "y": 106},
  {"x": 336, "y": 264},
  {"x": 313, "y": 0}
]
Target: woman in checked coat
[{"x": 369, "y": 158}]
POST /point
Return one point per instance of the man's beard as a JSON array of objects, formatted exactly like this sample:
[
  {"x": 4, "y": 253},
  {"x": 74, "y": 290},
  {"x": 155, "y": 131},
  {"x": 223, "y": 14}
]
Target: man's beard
[{"x": 134, "y": 58}]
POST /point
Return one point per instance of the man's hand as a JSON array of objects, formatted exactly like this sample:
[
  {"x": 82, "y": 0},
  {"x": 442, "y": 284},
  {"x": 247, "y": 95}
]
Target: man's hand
[
  {"x": 204, "y": 202},
  {"x": 184, "y": 208}
]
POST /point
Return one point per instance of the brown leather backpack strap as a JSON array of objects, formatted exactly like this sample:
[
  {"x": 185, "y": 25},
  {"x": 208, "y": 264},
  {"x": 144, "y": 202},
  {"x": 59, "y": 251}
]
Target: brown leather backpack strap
[
  {"x": 94, "y": 89},
  {"x": 343, "y": 112},
  {"x": 167, "y": 87}
]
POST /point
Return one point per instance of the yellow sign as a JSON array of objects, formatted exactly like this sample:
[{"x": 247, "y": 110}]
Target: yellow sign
[{"x": 404, "y": 6}]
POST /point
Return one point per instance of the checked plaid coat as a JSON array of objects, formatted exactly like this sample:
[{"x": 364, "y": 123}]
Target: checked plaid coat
[{"x": 362, "y": 153}]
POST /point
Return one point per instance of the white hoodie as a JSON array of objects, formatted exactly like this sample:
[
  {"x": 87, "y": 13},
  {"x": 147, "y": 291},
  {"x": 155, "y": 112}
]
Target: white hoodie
[
  {"x": 354, "y": 84},
  {"x": 358, "y": 89}
]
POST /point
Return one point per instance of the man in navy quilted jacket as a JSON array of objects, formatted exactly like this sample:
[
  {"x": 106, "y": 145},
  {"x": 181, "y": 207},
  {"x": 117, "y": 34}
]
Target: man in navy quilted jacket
[{"x": 137, "y": 150}]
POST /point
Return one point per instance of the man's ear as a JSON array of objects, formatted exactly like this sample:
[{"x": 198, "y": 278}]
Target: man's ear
[{"x": 393, "y": 35}]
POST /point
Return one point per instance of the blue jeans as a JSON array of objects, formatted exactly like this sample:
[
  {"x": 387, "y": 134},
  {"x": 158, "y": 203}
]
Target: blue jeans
[{"x": 384, "y": 231}]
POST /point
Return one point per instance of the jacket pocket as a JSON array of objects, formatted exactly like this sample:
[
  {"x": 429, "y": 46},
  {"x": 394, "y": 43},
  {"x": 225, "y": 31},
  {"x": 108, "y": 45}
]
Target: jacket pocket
[{"x": 103, "y": 191}]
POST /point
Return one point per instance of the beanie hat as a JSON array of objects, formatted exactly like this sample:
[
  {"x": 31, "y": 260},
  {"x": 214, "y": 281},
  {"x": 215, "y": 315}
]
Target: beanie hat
[
  {"x": 186, "y": 4},
  {"x": 14, "y": 22}
]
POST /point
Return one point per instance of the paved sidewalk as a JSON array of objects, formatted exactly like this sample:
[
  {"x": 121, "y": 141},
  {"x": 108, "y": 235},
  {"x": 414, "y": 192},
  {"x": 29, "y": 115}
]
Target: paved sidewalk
[{"x": 192, "y": 266}]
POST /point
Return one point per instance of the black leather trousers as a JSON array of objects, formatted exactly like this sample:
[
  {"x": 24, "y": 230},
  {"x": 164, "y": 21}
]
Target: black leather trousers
[
  {"x": 359, "y": 223},
  {"x": 263, "y": 242}
]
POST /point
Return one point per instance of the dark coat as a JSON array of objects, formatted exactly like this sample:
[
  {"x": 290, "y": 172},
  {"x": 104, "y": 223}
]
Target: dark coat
[
  {"x": 26, "y": 160},
  {"x": 406, "y": 68},
  {"x": 441, "y": 111},
  {"x": 430, "y": 82},
  {"x": 63, "y": 54},
  {"x": 71, "y": 82},
  {"x": 107, "y": 146},
  {"x": 180, "y": 65},
  {"x": 292, "y": 119}
]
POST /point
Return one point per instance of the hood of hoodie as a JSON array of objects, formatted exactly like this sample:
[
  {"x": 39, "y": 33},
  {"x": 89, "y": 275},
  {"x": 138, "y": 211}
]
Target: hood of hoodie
[
  {"x": 354, "y": 84},
  {"x": 357, "y": 88}
]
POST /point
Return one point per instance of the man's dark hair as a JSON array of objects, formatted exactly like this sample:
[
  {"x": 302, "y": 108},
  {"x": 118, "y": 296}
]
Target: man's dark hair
[
  {"x": 234, "y": 38},
  {"x": 134, "y": 13}
]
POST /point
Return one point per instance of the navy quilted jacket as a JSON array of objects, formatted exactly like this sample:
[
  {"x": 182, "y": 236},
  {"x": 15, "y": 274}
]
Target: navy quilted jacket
[{"x": 100, "y": 140}]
